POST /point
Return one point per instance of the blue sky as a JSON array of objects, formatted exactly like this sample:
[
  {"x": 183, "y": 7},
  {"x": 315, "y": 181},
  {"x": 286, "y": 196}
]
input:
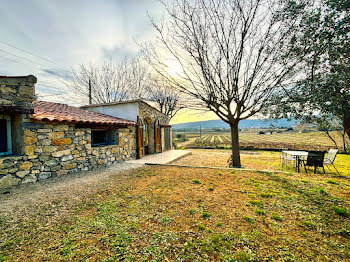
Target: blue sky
[{"x": 67, "y": 33}]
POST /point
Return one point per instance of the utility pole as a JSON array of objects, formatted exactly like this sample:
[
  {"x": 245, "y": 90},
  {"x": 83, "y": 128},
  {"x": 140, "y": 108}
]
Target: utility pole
[{"x": 90, "y": 91}]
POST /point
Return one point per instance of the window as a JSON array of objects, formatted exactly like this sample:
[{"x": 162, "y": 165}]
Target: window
[
  {"x": 5, "y": 135},
  {"x": 104, "y": 137}
]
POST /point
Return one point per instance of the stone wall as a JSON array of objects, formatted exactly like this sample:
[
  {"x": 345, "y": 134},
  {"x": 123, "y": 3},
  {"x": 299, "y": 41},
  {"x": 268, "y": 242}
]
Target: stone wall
[
  {"x": 17, "y": 94},
  {"x": 149, "y": 115},
  {"x": 58, "y": 149},
  {"x": 152, "y": 113}
]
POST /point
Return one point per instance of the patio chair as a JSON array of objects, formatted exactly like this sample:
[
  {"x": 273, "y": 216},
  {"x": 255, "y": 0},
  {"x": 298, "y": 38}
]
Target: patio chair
[
  {"x": 315, "y": 159},
  {"x": 286, "y": 158},
  {"x": 332, "y": 153}
]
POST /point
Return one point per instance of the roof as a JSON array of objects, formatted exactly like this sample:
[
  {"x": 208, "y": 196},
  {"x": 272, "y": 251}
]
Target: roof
[
  {"x": 122, "y": 102},
  {"x": 48, "y": 111}
]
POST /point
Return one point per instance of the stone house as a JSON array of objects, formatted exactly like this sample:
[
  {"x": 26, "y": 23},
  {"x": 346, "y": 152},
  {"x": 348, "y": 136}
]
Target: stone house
[
  {"x": 153, "y": 130},
  {"x": 39, "y": 140}
]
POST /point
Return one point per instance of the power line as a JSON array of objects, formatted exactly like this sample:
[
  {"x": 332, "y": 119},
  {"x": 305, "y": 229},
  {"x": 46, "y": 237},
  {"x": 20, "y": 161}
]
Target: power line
[
  {"x": 32, "y": 54},
  {"x": 51, "y": 95},
  {"x": 11, "y": 59},
  {"x": 21, "y": 57}
]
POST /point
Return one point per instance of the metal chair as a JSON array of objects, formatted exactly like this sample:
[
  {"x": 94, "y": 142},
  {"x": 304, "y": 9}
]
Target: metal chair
[
  {"x": 332, "y": 153},
  {"x": 284, "y": 158},
  {"x": 314, "y": 159}
]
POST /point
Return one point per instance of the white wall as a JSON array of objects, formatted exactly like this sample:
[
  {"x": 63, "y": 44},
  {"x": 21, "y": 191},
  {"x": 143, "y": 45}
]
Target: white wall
[{"x": 128, "y": 111}]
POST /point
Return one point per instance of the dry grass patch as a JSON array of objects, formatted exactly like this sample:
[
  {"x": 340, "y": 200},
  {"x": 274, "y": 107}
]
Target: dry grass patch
[{"x": 159, "y": 213}]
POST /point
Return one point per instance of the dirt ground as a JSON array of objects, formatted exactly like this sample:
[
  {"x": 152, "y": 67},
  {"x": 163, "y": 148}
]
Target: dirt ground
[
  {"x": 67, "y": 189},
  {"x": 155, "y": 213}
]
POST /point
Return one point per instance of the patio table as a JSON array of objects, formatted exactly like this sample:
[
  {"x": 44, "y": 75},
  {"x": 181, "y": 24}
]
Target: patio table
[{"x": 296, "y": 155}]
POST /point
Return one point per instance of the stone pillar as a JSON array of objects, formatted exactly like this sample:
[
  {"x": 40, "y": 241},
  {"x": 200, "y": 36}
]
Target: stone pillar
[{"x": 17, "y": 94}]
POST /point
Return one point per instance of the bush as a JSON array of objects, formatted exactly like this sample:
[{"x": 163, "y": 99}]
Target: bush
[
  {"x": 261, "y": 133},
  {"x": 178, "y": 135}
]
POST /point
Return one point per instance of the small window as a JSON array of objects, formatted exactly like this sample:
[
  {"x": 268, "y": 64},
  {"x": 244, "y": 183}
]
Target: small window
[
  {"x": 104, "y": 137},
  {"x": 5, "y": 135}
]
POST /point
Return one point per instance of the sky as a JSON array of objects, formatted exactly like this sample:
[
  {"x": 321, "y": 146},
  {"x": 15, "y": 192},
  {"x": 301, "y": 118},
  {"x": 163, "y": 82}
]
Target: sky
[{"x": 47, "y": 38}]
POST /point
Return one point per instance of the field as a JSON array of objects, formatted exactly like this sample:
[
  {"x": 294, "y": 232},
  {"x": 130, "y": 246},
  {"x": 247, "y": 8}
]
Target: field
[
  {"x": 252, "y": 140},
  {"x": 187, "y": 214}
]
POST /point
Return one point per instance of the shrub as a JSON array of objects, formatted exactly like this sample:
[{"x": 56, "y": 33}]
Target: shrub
[
  {"x": 219, "y": 224},
  {"x": 211, "y": 188},
  {"x": 261, "y": 133},
  {"x": 196, "y": 181}
]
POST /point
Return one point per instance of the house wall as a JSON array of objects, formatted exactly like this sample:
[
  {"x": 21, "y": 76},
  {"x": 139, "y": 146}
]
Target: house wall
[
  {"x": 127, "y": 111},
  {"x": 52, "y": 150},
  {"x": 17, "y": 94},
  {"x": 150, "y": 115}
]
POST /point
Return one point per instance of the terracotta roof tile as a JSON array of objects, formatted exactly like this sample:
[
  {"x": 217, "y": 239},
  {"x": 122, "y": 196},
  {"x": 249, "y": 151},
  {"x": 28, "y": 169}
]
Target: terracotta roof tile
[{"x": 49, "y": 111}]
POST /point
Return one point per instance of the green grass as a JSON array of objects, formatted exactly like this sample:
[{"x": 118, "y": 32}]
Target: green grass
[
  {"x": 341, "y": 211},
  {"x": 248, "y": 219},
  {"x": 276, "y": 217},
  {"x": 206, "y": 215},
  {"x": 260, "y": 212}
]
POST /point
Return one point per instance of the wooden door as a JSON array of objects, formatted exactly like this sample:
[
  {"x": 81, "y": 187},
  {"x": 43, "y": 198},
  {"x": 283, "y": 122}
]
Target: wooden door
[
  {"x": 140, "y": 145},
  {"x": 167, "y": 138},
  {"x": 157, "y": 138}
]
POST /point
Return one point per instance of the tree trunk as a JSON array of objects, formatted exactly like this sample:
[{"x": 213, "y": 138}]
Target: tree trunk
[
  {"x": 236, "y": 159},
  {"x": 346, "y": 125}
]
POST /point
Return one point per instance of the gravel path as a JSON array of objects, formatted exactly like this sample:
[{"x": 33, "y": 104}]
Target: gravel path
[{"x": 67, "y": 189}]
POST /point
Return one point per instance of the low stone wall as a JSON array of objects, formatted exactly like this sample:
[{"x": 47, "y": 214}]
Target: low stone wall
[{"x": 57, "y": 149}]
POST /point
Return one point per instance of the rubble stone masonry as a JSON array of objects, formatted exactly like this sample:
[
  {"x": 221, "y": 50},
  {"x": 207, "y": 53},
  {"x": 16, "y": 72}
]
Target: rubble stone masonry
[
  {"x": 52, "y": 150},
  {"x": 17, "y": 94}
]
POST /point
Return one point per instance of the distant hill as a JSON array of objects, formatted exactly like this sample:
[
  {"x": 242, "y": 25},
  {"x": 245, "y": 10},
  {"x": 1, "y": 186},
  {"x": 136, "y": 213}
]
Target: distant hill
[{"x": 246, "y": 124}]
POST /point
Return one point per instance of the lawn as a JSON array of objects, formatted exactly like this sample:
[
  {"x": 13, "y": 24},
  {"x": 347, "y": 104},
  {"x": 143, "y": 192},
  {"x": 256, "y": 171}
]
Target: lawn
[
  {"x": 189, "y": 214},
  {"x": 259, "y": 160}
]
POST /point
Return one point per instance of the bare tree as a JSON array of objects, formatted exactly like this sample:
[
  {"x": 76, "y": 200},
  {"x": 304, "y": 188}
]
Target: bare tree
[
  {"x": 110, "y": 81},
  {"x": 229, "y": 52},
  {"x": 167, "y": 99}
]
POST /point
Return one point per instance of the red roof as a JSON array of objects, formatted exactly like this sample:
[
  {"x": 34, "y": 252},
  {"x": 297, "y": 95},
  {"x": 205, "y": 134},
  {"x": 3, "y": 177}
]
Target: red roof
[{"x": 48, "y": 111}]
